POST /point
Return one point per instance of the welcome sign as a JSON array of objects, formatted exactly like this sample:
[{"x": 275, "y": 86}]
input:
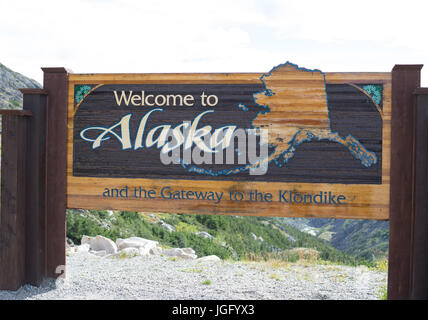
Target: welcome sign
[{"x": 289, "y": 142}]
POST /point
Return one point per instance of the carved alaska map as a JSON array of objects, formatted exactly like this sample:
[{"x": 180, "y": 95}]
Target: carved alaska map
[{"x": 305, "y": 117}]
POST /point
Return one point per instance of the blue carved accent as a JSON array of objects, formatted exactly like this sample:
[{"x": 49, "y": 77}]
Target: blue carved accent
[
  {"x": 374, "y": 91},
  {"x": 80, "y": 91}
]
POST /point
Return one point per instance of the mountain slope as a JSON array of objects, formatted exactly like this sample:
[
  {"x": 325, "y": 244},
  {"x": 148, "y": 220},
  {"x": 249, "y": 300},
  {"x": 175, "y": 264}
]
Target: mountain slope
[
  {"x": 362, "y": 238},
  {"x": 10, "y": 82},
  {"x": 367, "y": 239}
]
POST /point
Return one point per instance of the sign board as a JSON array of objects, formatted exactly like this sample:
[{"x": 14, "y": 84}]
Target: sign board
[{"x": 290, "y": 142}]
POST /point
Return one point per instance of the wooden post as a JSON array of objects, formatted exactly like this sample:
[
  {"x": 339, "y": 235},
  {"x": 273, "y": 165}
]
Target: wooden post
[
  {"x": 55, "y": 83},
  {"x": 32, "y": 235},
  {"x": 405, "y": 79},
  {"x": 13, "y": 181},
  {"x": 35, "y": 101},
  {"x": 420, "y": 239}
]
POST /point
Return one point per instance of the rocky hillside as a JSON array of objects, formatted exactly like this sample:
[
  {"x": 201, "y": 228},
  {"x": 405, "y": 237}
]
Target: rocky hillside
[
  {"x": 10, "y": 82},
  {"x": 362, "y": 238}
]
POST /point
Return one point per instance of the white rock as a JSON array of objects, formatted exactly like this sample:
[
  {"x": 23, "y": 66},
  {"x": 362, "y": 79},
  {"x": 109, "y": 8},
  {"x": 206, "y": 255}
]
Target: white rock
[
  {"x": 204, "y": 234},
  {"x": 70, "y": 250},
  {"x": 181, "y": 253},
  {"x": 211, "y": 258},
  {"x": 156, "y": 251},
  {"x": 188, "y": 250},
  {"x": 257, "y": 238},
  {"x": 86, "y": 239},
  {"x": 100, "y": 243},
  {"x": 83, "y": 248},
  {"x": 167, "y": 226},
  {"x": 144, "y": 246},
  {"x": 141, "y": 251},
  {"x": 174, "y": 252},
  {"x": 101, "y": 253},
  {"x": 105, "y": 225}
]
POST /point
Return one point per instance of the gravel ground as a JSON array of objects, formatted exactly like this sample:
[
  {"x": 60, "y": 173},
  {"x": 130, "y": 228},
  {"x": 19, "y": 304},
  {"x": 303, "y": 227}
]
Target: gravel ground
[{"x": 163, "y": 278}]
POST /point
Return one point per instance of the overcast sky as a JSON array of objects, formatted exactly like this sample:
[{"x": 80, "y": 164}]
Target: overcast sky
[{"x": 106, "y": 36}]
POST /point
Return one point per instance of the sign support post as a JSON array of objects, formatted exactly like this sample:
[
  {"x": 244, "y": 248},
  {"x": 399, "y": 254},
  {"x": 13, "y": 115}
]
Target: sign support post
[
  {"x": 405, "y": 79},
  {"x": 13, "y": 194},
  {"x": 35, "y": 194},
  {"x": 420, "y": 238},
  {"x": 55, "y": 82},
  {"x": 23, "y": 225}
]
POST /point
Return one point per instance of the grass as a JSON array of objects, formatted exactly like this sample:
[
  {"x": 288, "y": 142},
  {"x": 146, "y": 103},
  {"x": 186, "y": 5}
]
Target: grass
[
  {"x": 124, "y": 255},
  {"x": 272, "y": 264},
  {"x": 333, "y": 268},
  {"x": 206, "y": 282},
  {"x": 305, "y": 276},
  {"x": 305, "y": 261},
  {"x": 274, "y": 276},
  {"x": 340, "y": 277},
  {"x": 278, "y": 264},
  {"x": 381, "y": 265},
  {"x": 192, "y": 270},
  {"x": 326, "y": 235},
  {"x": 382, "y": 294},
  {"x": 304, "y": 257}
]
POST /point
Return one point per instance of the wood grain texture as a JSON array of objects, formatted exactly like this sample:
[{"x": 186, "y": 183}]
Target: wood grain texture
[
  {"x": 420, "y": 252},
  {"x": 55, "y": 84},
  {"x": 23, "y": 113},
  {"x": 405, "y": 79},
  {"x": 35, "y": 229},
  {"x": 370, "y": 199},
  {"x": 12, "y": 220},
  {"x": 349, "y": 112}
]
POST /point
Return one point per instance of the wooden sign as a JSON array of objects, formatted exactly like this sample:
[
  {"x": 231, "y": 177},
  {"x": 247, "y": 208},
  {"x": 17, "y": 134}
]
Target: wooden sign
[
  {"x": 289, "y": 142},
  {"x": 322, "y": 143}
]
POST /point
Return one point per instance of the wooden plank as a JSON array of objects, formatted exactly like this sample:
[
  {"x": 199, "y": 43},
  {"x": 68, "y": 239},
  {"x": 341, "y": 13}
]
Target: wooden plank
[
  {"x": 35, "y": 102},
  {"x": 420, "y": 240},
  {"x": 55, "y": 84},
  {"x": 12, "y": 222},
  {"x": 195, "y": 78},
  {"x": 405, "y": 79},
  {"x": 23, "y": 113},
  {"x": 33, "y": 91},
  {"x": 87, "y": 194}
]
